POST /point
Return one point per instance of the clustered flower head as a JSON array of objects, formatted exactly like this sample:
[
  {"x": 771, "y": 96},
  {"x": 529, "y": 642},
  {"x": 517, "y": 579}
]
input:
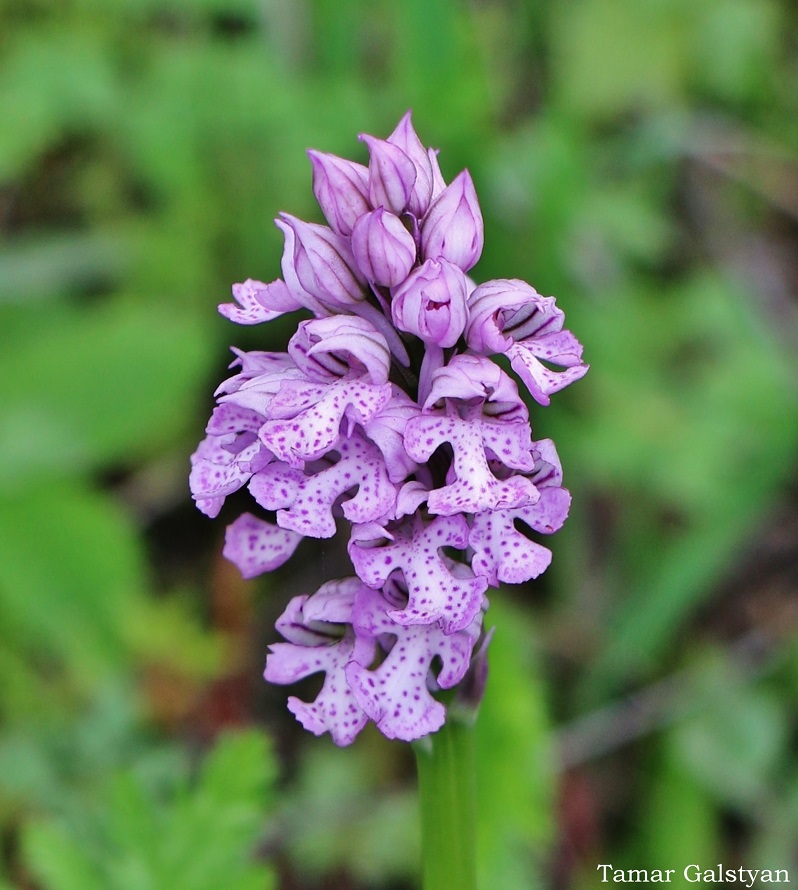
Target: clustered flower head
[{"x": 388, "y": 411}]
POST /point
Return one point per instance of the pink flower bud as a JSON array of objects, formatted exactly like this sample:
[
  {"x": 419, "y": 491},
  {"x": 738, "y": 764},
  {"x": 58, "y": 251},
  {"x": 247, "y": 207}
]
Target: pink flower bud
[
  {"x": 323, "y": 264},
  {"x": 383, "y": 248},
  {"x": 392, "y": 175},
  {"x": 341, "y": 187},
  {"x": 289, "y": 273},
  {"x": 432, "y": 303},
  {"x": 407, "y": 139},
  {"x": 452, "y": 229}
]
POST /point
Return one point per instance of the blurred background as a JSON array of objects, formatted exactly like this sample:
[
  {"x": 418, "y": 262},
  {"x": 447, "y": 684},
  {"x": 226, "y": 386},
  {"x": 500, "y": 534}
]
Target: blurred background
[{"x": 639, "y": 160}]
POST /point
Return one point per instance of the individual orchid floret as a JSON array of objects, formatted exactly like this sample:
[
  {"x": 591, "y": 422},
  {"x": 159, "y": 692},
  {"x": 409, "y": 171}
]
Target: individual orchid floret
[
  {"x": 259, "y": 302},
  {"x": 407, "y": 139},
  {"x": 324, "y": 265},
  {"x": 253, "y": 364},
  {"x": 341, "y": 372},
  {"x": 509, "y": 316},
  {"x": 325, "y": 349},
  {"x": 475, "y": 381},
  {"x": 384, "y": 250},
  {"x": 354, "y": 475},
  {"x": 392, "y": 175},
  {"x": 321, "y": 640},
  {"x": 228, "y": 456},
  {"x": 432, "y": 303},
  {"x": 342, "y": 189},
  {"x": 503, "y": 553},
  {"x": 396, "y": 694},
  {"x": 471, "y": 485},
  {"x": 217, "y": 471},
  {"x": 453, "y": 228},
  {"x": 307, "y": 416},
  {"x": 436, "y": 593}
]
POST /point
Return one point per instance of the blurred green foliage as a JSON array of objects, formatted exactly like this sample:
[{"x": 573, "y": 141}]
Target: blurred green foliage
[
  {"x": 639, "y": 159},
  {"x": 141, "y": 836}
]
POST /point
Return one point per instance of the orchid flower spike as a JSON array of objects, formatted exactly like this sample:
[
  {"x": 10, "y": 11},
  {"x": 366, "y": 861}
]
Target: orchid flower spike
[{"x": 388, "y": 415}]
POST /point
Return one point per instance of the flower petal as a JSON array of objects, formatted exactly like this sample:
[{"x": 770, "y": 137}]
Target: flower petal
[
  {"x": 256, "y": 546},
  {"x": 561, "y": 349},
  {"x": 474, "y": 487},
  {"x": 316, "y": 644},
  {"x": 259, "y": 302},
  {"x": 396, "y": 694},
  {"x": 435, "y": 593},
  {"x": 310, "y": 432},
  {"x": 305, "y": 501}
]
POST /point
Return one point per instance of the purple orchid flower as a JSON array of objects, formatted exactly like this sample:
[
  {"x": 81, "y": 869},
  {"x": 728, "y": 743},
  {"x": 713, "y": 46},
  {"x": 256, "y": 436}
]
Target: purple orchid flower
[
  {"x": 388, "y": 413},
  {"x": 432, "y": 303}
]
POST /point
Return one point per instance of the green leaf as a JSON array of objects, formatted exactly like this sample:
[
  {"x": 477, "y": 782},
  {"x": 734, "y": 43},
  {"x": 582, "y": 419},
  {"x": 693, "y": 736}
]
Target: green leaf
[
  {"x": 736, "y": 47},
  {"x": 240, "y": 768},
  {"x": 57, "y": 862},
  {"x": 710, "y": 429},
  {"x": 612, "y": 58},
  {"x": 57, "y": 762},
  {"x": 40, "y": 104}
]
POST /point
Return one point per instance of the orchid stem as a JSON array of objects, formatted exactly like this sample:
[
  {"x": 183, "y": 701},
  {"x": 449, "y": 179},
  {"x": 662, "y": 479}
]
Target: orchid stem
[{"x": 447, "y": 791}]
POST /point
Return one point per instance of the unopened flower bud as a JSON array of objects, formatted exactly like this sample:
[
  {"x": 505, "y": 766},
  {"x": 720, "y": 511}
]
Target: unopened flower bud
[
  {"x": 392, "y": 175},
  {"x": 383, "y": 248},
  {"x": 323, "y": 264},
  {"x": 432, "y": 303},
  {"x": 289, "y": 273},
  {"x": 407, "y": 139},
  {"x": 342, "y": 188},
  {"x": 453, "y": 226}
]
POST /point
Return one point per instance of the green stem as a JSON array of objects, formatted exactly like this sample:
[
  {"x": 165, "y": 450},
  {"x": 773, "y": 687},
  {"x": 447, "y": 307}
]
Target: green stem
[{"x": 447, "y": 788}]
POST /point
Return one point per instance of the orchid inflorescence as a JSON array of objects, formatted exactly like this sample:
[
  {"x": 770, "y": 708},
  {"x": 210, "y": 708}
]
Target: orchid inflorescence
[{"x": 388, "y": 411}]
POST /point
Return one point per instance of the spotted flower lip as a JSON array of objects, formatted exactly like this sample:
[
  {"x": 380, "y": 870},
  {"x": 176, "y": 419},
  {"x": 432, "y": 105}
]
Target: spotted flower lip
[
  {"x": 432, "y": 303},
  {"x": 388, "y": 417},
  {"x": 259, "y": 302}
]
